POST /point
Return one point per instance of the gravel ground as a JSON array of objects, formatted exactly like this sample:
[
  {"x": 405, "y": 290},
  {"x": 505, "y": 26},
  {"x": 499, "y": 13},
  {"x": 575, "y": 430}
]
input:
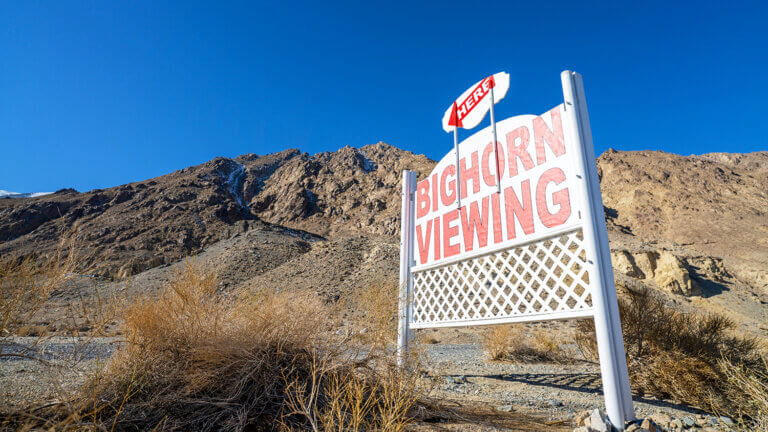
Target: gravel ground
[
  {"x": 34, "y": 370},
  {"x": 538, "y": 394},
  {"x": 561, "y": 390}
]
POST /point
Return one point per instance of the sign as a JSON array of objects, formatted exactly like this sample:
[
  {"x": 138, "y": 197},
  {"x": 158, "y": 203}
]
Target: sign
[
  {"x": 509, "y": 227},
  {"x": 536, "y": 190},
  {"x": 470, "y": 108}
]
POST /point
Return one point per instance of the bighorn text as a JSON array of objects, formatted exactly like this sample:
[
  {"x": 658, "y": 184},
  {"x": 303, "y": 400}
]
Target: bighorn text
[{"x": 534, "y": 197}]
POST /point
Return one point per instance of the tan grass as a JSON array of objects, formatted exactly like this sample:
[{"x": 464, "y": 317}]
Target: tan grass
[
  {"x": 194, "y": 360},
  {"x": 340, "y": 400},
  {"x": 374, "y": 312},
  {"x": 522, "y": 344},
  {"x": 26, "y": 283},
  {"x": 752, "y": 414},
  {"x": 680, "y": 356}
]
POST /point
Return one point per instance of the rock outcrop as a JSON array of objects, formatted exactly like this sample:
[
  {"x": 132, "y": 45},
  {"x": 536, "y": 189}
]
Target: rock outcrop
[
  {"x": 692, "y": 227},
  {"x": 668, "y": 271},
  {"x": 134, "y": 227}
]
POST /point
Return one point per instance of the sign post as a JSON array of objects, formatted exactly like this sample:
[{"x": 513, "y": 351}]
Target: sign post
[
  {"x": 613, "y": 364},
  {"x": 527, "y": 243},
  {"x": 458, "y": 168},
  {"x": 495, "y": 140},
  {"x": 406, "y": 261},
  {"x": 468, "y": 111}
]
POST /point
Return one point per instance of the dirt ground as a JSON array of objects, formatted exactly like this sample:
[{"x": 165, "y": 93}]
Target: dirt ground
[{"x": 465, "y": 391}]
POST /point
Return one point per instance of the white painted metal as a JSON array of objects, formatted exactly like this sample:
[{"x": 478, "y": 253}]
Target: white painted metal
[
  {"x": 560, "y": 316},
  {"x": 495, "y": 141},
  {"x": 618, "y": 398},
  {"x": 541, "y": 280},
  {"x": 406, "y": 262},
  {"x": 458, "y": 170}
]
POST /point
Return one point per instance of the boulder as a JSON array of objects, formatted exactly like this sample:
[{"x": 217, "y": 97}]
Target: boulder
[
  {"x": 624, "y": 263},
  {"x": 646, "y": 263},
  {"x": 672, "y": 275},
  {"x": 598, "y": 422}
]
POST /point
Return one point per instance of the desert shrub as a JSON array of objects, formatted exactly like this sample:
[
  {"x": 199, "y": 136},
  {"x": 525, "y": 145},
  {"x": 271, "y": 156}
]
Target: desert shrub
[
  {"x": 679, "y": 355},
  {"x": 194, "y": 360},
  {"x": 26, "y": 283},
  {"x": 375, "y": 307},
  {"x": 351, "y": 402},
  {"x": 753, "y": 382},
  {"x": 521, "y": 344}
]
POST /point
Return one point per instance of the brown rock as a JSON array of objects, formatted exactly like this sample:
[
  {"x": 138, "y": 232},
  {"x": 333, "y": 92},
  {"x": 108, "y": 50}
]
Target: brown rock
[
  {"x": 672, "y": 275},
  {"x": 650, "y": 426},
  {"x": 660, "y": 418},
  {"x": 624, "y": 263}
]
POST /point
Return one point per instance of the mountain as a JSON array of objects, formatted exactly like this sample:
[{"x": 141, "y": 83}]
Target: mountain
[
  {"x": 7, "y": 194},
  {"x": 694, "y": 228},
  {"x": 137, "y": 226},
  {"x": 712, "y": 205}
]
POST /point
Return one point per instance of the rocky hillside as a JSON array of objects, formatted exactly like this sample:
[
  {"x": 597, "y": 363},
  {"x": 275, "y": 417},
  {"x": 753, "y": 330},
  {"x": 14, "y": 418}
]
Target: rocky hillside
[
  {"x": 346, "y": 192},
  {"x": 692, "y": 227},
  {"x": 137, "y": 226},
  {"x": 713, "y": 205}
]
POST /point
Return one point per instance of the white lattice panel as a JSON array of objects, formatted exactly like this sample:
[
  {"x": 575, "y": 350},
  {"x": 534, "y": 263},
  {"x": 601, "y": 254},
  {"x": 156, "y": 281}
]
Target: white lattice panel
[{"x": 547, "y": 279}]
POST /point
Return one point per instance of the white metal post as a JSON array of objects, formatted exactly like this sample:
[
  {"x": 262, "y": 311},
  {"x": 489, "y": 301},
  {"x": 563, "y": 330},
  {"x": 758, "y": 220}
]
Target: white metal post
[
  {"x": 613, "y": 364},
  {"x": 407, "y": 217},
  {"x": 495, "y": 140},
  {"x": 458, "y": 173}
]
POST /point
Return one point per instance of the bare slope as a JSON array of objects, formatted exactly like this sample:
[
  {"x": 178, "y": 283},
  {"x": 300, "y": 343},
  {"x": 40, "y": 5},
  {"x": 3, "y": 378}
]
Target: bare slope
[
  {"x": 134, "y": 227},
  {"x": 713, "y": 205},
  {"x": 693, "y": 227}
]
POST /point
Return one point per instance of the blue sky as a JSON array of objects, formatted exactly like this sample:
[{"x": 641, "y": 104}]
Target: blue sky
[{"x": 95, "y": 94}]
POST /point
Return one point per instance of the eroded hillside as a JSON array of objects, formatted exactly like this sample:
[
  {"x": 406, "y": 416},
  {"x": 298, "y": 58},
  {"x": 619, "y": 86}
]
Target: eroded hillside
[{"x": 692, "y": 227}]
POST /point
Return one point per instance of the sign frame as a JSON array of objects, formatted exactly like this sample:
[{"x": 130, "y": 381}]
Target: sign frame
[{"x": 604, "y": 310}]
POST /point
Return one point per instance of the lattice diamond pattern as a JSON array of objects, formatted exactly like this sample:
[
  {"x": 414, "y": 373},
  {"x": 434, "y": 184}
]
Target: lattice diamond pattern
[{"x": 547, "y": 278}]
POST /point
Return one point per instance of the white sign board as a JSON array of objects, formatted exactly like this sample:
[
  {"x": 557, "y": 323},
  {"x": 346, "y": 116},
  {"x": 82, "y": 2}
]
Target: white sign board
[
  {"x": 470, "y": 108},
  {"x": 533, "y": 247},
  {"x": 537, "y": 173}
]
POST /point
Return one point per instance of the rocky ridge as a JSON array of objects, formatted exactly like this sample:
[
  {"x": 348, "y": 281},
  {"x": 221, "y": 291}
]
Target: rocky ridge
[
  {"x": 694, "y": 228},
  {"x": 134, "y": 227}
]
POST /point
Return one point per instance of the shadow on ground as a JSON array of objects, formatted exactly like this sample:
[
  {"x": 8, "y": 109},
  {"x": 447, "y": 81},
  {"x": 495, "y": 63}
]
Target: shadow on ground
[
  {"x": 579, "y": 382},
  {"x": 445, "y": 415}
]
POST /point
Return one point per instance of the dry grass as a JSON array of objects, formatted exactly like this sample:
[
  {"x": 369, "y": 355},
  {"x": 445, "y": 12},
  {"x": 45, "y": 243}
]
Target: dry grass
[
  {"x": 340, "y": 401},
  {"x": 753, "y": 382},
  {"x": 30, "y": 288},
  {"x": 194, "y": 360},
  {"x": 375, "y": 312},
  {"x": 522, "y": 344},
  {"x": 26, "y": 283},
  {"x": 681, "y": 356}
]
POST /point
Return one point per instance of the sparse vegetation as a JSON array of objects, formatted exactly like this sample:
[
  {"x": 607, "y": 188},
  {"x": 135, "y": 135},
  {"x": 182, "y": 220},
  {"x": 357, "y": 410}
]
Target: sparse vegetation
[
  {"x": 753, "y": 383},
  {"x": 522, "y": 344},
  {"x": 26, "y": 283},
  {"x": 375, "y": 310},
  {"x": 194, "y": 360},
  {"x": 344, "y": 401},
  {"x": 686, "y": 357}
]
